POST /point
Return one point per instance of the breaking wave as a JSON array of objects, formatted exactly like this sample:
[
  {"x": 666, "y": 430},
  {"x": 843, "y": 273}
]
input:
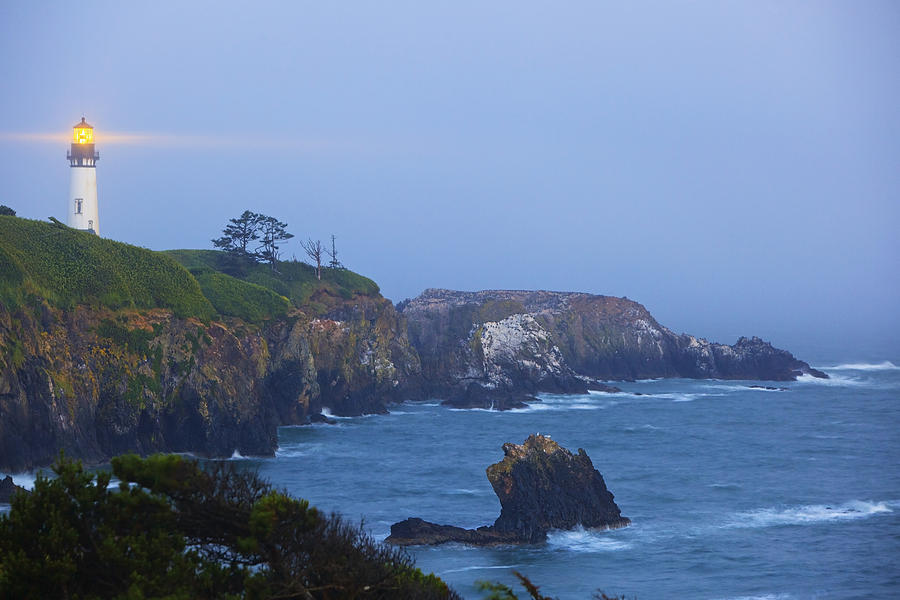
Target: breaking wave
[
  {"x": 882, "y": 366},
  {"x": 326, "y": 412},
  {"x": 683, "y": 397},
  {"x": 833, "y": 380},
  {"x": 724, "y": 486},
  {"x": 585, "y": 540},
  {"x": 464, "y": 492},
  {"x": 563, "y": 403},
  {"x": 296, "y": 450},
  {"x": 478, "y": 568},
  {"x": 763, "y": 597},
  {"x": 811, "y": 514},
  {"x": 642, "y": 429}
]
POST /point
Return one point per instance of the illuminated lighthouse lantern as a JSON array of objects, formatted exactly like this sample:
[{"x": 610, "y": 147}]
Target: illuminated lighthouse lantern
[{"x": 83, "y": 212}]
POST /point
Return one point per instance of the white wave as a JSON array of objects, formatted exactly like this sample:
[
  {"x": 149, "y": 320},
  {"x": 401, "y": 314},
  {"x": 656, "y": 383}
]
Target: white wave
[
  {"x": 326, "y": 412},
  {"x": 725, "y": 486},
  {"x": 400, "y": 412},
  {"x": 293, "y": 452},
  {"x": 585, "y": 540},
  {"x": 882, "y": 366},
  {"x": 561, "y": 406},
  {"x": 682, "y": 396},
  {"x": 463, "y": 492},
  {"x": 478, "y": 568},
  {"x": 833, "y": 380},
  {"x": 642, "y": 428},
  {"x": 763, "y": 597},
  {"x": 731, "y": 387},
  {"x": 236, "y": 455},
  {"x": 610, "y": 394},
  {"x": 811, "y": 514}
]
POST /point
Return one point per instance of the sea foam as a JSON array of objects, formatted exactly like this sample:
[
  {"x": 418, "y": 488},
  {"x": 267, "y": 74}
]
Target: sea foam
[
  {"x": 811, "y": 514},
  {"x": 326, "y": 412},
  {"x": 882, "y": 366},
  {"x": 478, "y": 568},
  {"x": 763, "y": 597},
  {"x": 585, "y": 540},
  {"x": 833, "y": 380}
]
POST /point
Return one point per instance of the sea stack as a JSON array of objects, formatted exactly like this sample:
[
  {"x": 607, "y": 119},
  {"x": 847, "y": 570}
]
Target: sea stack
[{"x": 541, "y": 486}]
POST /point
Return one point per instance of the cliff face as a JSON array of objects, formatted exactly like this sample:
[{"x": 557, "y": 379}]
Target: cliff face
[
  {"x": 97, "y": 382},
  {"x": 553, "y": 341}
]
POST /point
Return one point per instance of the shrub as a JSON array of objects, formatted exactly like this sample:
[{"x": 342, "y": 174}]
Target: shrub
[{"x": 176, "y": 530}]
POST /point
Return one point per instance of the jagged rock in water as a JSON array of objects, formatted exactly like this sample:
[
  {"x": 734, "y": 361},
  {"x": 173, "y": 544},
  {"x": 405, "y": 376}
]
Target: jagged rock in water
[
  {"x": 8, "y": 489},
  {"x": 418, "y": 532},
  {"x": 541, "y": 486}
]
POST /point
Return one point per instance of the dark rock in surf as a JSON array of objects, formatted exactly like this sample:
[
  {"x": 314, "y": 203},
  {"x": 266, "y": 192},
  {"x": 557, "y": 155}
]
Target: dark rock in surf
[
  {"x": 541, "y": 486},
  {"x": 476, "y": 396}
]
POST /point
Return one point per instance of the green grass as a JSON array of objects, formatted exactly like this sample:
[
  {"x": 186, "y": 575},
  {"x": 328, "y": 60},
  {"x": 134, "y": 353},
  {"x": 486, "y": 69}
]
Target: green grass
[
  {"x": 236, "y": 298},
  {"x": 68, "y": 267},
  {"x": 294, "y": 280}
]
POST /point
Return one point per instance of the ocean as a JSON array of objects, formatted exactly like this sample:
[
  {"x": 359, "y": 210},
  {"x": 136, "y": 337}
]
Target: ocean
[{"x": 734, "y": 492}]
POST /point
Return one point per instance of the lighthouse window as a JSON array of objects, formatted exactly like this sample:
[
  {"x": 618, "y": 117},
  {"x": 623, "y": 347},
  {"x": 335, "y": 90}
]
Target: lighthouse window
[{"x": 78, "y": 202}]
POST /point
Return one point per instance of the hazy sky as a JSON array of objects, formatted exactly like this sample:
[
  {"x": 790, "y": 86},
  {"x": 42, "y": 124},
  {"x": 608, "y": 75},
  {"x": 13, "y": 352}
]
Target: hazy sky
[{"x": 734, "y": 166}]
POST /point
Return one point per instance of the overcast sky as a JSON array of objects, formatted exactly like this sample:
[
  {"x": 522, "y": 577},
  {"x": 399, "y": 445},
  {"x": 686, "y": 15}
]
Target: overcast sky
[{"x": 734, "y": 166}]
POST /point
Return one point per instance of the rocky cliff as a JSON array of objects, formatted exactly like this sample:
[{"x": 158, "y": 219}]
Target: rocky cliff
[
  {"x": 541, "y": 486},
  {"x": 500, "y": 344},
  {"x": 108, "y": 348},
  {"x": 97, "y": 382}
]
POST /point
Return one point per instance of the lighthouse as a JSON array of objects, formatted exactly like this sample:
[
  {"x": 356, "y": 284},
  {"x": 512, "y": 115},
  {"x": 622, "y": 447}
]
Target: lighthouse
[{"x": 83, "y": 212}]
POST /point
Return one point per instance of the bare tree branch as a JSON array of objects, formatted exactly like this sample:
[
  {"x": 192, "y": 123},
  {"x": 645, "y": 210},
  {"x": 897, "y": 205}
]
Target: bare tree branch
[{"x": 314, "y": 250}]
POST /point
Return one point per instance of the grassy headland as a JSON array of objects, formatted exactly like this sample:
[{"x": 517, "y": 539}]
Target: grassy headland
[
  {"x": 67, "y": 267},
  {"x": 293, "y": 280}
]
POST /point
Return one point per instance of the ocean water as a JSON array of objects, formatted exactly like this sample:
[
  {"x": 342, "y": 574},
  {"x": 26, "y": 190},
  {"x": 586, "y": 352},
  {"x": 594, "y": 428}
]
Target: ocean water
[{"x": 733, "y": 492}]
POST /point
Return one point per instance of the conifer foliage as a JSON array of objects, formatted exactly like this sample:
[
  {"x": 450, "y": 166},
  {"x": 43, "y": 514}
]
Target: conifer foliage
[
  {"x": 255, "y": 236},
  {"x": 176, "y": 529}
]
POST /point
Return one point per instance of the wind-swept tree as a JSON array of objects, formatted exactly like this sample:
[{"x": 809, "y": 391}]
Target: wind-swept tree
[
  {"x": 7, "y": 211},
  {"x": 314, "y": 250},
  {"x": 334, "y": 263},
  {"x": 240, "y": 233},
  {"x": 271, "y": 233}
]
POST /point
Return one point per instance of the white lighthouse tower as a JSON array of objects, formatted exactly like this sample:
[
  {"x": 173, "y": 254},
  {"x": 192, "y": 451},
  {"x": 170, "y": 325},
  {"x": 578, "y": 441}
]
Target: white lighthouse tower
[{"x": 83, "y": 212}]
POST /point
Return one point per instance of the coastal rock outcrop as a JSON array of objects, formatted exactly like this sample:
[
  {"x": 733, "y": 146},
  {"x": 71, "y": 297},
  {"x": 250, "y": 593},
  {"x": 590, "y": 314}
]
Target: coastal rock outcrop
[
  {"x": 8, "y": 489},
  {"x": 97, "y": 382},
  {"x": 541, "y": 486},
  {"x": 477, "y": 346}
]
